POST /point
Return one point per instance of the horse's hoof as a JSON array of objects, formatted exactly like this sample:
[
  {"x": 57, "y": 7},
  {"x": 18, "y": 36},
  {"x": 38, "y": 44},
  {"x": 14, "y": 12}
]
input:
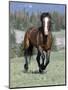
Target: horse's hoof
[
  {"x": 40, "y": 71},
  {"x": 25, "y": 68},
  {"x": 42, "y": 66}
]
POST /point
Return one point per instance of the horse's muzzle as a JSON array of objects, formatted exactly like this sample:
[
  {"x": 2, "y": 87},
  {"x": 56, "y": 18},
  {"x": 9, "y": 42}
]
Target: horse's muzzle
[{"x": 45, "y": 33}]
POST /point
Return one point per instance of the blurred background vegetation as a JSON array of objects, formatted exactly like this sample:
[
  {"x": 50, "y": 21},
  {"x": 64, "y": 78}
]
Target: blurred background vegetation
[{"x": 22, "y": 20}]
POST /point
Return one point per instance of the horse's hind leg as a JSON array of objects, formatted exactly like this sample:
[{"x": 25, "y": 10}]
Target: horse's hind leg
[
  {"x": 26, "y": 60},
  {"x": 26, "y": 46},
  {"x": 27, "y": 55}
]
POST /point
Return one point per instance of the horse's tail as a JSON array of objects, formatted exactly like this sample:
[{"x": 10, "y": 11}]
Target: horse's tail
[
  {"x": 28, "y": 51},
  {"x": 28, "y": 48}
]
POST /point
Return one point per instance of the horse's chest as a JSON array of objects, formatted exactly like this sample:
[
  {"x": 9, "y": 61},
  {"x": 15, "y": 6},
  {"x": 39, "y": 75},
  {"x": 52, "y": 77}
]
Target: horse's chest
[
  {"x": 46, "y": 43},
  {"x": 43, "y": 39}
]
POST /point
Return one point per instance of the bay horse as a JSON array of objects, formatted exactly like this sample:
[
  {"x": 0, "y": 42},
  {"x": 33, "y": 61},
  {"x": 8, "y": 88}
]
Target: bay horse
[{"x": 41, "y": 38}]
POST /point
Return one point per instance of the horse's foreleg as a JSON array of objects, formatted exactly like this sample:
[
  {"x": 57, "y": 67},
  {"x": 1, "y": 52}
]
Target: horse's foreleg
[
  {"x": 42, "y": 55},
  {"x": 38, "y": 61},
  {"x": 40, "y": 65},
  {"x": 47, "y": 59},
  {"x": 43, "y": 59}
]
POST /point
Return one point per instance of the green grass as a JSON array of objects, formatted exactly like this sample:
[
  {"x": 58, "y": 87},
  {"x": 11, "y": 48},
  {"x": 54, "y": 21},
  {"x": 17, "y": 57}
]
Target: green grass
[{"x": 54, "y": 74}]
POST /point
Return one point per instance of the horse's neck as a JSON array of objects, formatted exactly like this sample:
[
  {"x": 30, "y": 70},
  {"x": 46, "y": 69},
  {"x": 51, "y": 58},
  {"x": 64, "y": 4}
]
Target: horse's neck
[
  {"x": 41, "y": 30},
  {"x": 41, "y": 38}
]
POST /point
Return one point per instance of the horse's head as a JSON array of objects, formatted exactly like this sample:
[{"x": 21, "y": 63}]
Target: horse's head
[{"x": 46, "y": 22}]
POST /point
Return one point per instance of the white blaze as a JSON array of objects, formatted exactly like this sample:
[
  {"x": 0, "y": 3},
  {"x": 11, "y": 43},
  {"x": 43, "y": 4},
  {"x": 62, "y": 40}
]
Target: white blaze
[{"x": 46, "y": 19}]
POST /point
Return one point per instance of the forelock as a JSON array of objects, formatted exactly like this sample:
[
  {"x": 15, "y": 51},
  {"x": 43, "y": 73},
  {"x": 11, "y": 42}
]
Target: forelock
[{"x": 43, "y": 15}]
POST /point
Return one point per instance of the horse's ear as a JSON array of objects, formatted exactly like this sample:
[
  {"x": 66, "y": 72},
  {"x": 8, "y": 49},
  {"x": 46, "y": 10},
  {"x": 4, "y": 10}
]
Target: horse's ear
[
  {"x": 49, "y": 15},
  {"x": 42, "y": 16}
]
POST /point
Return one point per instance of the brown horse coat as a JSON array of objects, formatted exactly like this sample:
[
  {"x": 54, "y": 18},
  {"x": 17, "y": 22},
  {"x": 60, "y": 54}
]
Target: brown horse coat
[{"x": 36, "y": 38}]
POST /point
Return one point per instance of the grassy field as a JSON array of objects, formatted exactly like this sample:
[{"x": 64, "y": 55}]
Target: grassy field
[
  {"x": 60, "y": 33},
  {"x": 54, "y": 74}
]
